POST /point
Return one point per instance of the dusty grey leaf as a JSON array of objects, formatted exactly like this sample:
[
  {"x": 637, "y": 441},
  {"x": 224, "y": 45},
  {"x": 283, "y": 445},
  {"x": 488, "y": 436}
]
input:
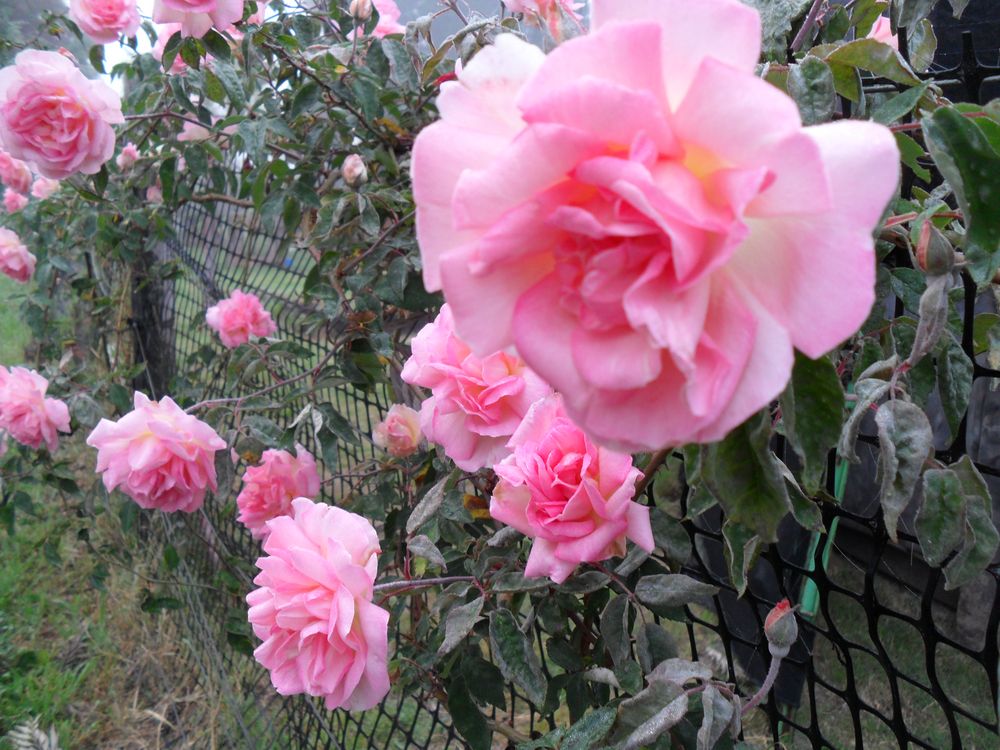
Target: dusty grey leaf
[
  {"x": 602, "y": 675},
  {"x": 614, "y": 629},
  {"x": 716, "y": 717},
  {"x": 459, "y": 624},
  {"x": 868, "y": 391},
  {"x": 422, "y": 546},
  {"x": 672, "y": 590},
  {"x": 680, "y": 671},
  {"x": 647, "y": 732},
  {"x": 428, "y": 506},
  {"x": 941, "y": 519},
  {"x": 905, "y": 442},
  {"x": 515, "y": 656}
]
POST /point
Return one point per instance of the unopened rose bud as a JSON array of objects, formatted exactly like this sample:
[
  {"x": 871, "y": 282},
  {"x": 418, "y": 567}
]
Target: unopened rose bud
[
  {"x": 935, "y": 255},
  {"x": 361, "y": 9},
  {"x": 354, "y": 171},
  {"x": 781, "y": 629},
  {"x": 399, "y": 433}
]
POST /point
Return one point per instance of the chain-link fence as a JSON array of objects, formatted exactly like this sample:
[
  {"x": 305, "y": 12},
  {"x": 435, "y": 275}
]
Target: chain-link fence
[{"x": 888, "y": 657}]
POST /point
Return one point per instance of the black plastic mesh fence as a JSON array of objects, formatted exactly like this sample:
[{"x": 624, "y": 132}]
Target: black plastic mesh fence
[{"x": 887, "y": 659}]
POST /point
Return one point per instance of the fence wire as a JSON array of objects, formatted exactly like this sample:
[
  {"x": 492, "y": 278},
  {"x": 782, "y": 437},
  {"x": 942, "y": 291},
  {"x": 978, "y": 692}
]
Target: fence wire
[{"x": 888, "y": 659}]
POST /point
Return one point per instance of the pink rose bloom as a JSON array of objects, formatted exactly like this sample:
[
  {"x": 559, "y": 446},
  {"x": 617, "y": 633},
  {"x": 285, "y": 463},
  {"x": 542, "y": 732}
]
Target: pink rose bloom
[
  {"x": 572, "y": 497},
  {"x": 154, "y": 194},
  {"x": 26, "y": 414},
  {"x": 238, "y": 318},
  {"x": 15, "y": 260},
  {"x": 13, "y": 201},
  {"x": 882, "y": 32},
  {"x": 196, "y": 17},
  {"x": 313, "y": 610},
  {"x": 354, "y": 171},
  {"x": 105, "y": 20},
  {"x": 388, "y": 19},
  {"x": 268, "y": 489},
  {"x": 14, "y": 173},
  {"x": 194, "y": 132},
  {"x": 54, "y": 118},
  {"x": 43, "y": 187},
  {"x": 646, "y": 220},
  {"x": 128, "y": 157},
  {"x": 477, "y": 403},
  {"x": 158, "y": 455},
  {"x": 399, "y": 433}
]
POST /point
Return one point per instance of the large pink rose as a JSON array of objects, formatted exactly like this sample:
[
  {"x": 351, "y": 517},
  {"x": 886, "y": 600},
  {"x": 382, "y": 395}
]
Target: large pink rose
[
  {"x": 313, "y": 610},
  {"x": 477, "y": 403},
  {"x": 25, "y": 412},
  {"x": 196, "y": 17},
  {"x": 239, "y": 317},
  {"x": 268, "y": 489},
  {"x": 54, "y": 118},
  {"x": 105, "y": 20},
  {"x": 14, "y": 173},
  {"x": 646, "y": 221},
  {"x": 572, "y": 497},
  {"x": 399, "y": 433},
  {"x": 15, "y": 260},
  {"x": 158, "y": 455}
]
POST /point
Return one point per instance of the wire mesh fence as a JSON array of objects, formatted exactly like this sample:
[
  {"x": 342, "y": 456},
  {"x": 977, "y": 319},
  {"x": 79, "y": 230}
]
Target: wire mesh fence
[{"x": 888, "y": 657}]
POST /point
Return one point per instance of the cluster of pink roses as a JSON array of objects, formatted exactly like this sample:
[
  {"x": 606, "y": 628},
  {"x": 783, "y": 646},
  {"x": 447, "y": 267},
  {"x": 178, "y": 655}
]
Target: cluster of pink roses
[
  {"x": 17, "y": 178},
  {"x": 15, "y": 259}
]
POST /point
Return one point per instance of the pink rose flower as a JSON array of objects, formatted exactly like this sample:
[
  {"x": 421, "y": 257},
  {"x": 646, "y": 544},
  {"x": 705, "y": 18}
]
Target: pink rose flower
[
  {"x": 388, "y": 19},
  {"x": 13, "y": 201},
  {"x": 15, "y": 260},
  {"x": 54, "y": 118},
  {"x": 646, "y": 220},
  {"x": 238, "y": 318},
  {"x": 128, "y": 157},
  {"x": 14, "y": 173},
  {"x": 399, "y": 433},
  {"x": 105, "y": 20},
  {"x": 43, "y": 187},
  {"x": 196, "y": 17},
  {"x": 882, "y": 32},
  {"x": 193, "y": 132},
  {"x": 158, "y": 455},
  {"x": 354, "y": 171},
  {"x": 313, "y": 610},
  {"x": 25, "y": 412},
  {"x": 154, "y": 194},
  {"x": 477, "y": 403},
  {"x": 268, "y": 489},
  {"x": 572, "y": 497}
]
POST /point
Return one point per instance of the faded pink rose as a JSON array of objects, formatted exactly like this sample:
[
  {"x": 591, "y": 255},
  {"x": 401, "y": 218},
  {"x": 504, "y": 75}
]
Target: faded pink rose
[
  {"x": 646, "y": 220},
  {"x": 43, "y": 187},
  {"x": 154, "y": 194},
  {"x": 196, "y": 17},
  {"x": 25, "y": 412},
  {"x": 15, "y": 260},
  {"x": 882, "y": 32},
  {"x": 268, "y": 489},
  {"x": 322, "y": 634},
  {"x": 13, "y": 201},
  {"x": 399, "y": 433},
  {"x": 239, "y": 317},
  {"x": 158, "y": 455},
  {"x": 163, "y": 34},
  {"x": 128, "y": 157},
  {"x": 476, "y": 402},
  {"x": 105, "y": 20},
  {"x": 354, "y": 171},
  {"x": 54, "y": 118},
  {"x": 388, "y": 18},
  {"x": 193, "y": 132},
  {"x": 14, "y": 173},
  {"x": 572, "y": 497}
]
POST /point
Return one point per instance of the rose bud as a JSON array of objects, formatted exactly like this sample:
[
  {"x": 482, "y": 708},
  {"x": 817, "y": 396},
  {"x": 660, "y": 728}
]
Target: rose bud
[
  {"x": 781, "y": 629},
  {"x": 354, "y": 171},
  {"x": 361, "y": 10}
]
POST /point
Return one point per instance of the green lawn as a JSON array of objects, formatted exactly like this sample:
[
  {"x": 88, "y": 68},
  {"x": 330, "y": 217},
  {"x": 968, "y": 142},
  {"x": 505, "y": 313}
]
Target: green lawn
[{"x": 13, "y": 333}]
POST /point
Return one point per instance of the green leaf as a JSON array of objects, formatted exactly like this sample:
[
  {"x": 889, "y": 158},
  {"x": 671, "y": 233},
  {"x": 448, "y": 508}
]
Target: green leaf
[
  {"x": 428, "y": 505},
  {"x": 634, "y": 712},
  {"x": 214, "y": 89},
  {"x": 615, "y": 629},
  {"x": 905, "y": 441},
  {"x": 515, "y": 656},
  {"x": 232, "y": 82},
  {"x": 777, "y": 17},
  {"x": 900, "y": 105},
  {"x": 651, "y": 729},
  {"x": 908, "y": 14},
  {"x": 653, "y": 645},
  {"x": 668, "y": 590},
  {"x": 484, "y": 680},
  {"x": 911, "y": 151},
  {"x": 868, "y": 391},
  {"x": 972, "y": 168},
  {"x": 954, "y": 378},
  {"x": 422, "y": 546},
  {"x": 402, "y": 71},
  {"x": 587, "y": 732},
  {"x": 876, "y": 57},
  {"x": 153, "y": 604},
  {"x": 459, "y": 624},
  {"x": 217, "y": 45},
  {"x": 717, "y": 713},
  {"x": 743, "y": 475},
  {"x": 942, "y": 516},
  {"x": 811, "y": 85},
  {"x": 741, "y": 550},
  {"x": 981, "y": 538},
  {"x": 812, "y": 408},
  {"x": 466, "y": 716},
  {"x": 923, "y": 46}
]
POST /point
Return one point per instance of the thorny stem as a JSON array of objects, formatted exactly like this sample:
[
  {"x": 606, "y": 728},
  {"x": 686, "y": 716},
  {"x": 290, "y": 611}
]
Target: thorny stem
[
  {"x": 395, "y": 587},
  {"x": 772, "y": 675},
  {"x": 655, "y": 462},
  {"x": 807, "y": 25}
]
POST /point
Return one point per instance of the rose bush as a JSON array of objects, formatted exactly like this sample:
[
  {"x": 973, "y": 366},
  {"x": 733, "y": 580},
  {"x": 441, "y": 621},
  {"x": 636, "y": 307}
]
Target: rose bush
[{"x": 644, "y": 241}]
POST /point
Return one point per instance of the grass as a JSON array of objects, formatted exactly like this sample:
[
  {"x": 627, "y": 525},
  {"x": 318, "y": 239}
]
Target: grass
[{"x": 13, "y": 333}]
